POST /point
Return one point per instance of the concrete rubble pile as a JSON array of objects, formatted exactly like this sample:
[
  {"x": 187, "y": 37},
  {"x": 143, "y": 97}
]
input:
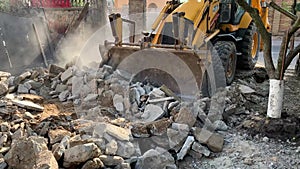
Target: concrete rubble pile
[{"x": 115, "y": 123}]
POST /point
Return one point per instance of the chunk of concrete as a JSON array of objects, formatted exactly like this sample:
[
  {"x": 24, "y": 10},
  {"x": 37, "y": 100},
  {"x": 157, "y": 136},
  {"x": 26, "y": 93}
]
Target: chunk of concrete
[
  {"x": 125, "y": 149},
  {"x": 93, "y": 164},
  {"x": 152, "y": 112},
  {"x": 80, "y": 153},
  {"x": 66, "y": 75},
  {"x": 111, "y": 147},
  {"x": 57, "y": 135},
  {"x": 185, "y": 116},
  {"x": 3, "y": 88},
  {"x": 118, "y": 102},
  {"x": 55, "y": 70},
  {"x": 25, "y": 153},
  {"x": 185, "y": 148},
  {"x": 245, "y": 89},
  {"x": 119, "y": 133},
  {"x": 111, "y": 160},
  {"x": 27, "y": 105},
  {"x": 215, "y": 143},
  {"x": 197, "y": 147}
]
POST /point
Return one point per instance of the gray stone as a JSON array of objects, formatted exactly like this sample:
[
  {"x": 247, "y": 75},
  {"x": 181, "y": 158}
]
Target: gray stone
[
  {"x": 220, "y": 125},
  {"x": 60, "y": 88},
  {"x": 134, "y": 95},
  {"x": 80, "y": 153},
  {"x": 157, "y": 93},
  {"x": 27, "y": 105},
  {"x": 3, "y": 164},
  {"x": 118, "y": 132},
  {"x": 90, "y": 97},
  {"x": 176, "y": 138},
  {"x": 159, "y": 100},
  {"x": 111, "y": 147},
  {"x": 3, "y": 139},
  {"x": 125, "y": 149},
  {"x": 215, "y": 143},
  {"x": 5, "y": 127},
  {"x": 158, "y": 158},
  {"x": 64, "y": 95},
  {"x": 202, "y": 135},
  {"x": 28, "y": 115},
  {"x": 66, "y": 75},
  {"x": 3, "y": 88},
  {"x": 217, "y": 106},
  {"x": 57, "y": 135},
  {"x": 201, "y": 149},
  {"x": 246, "y": 89},
  {"x": 185, "y": 116},
  {"x": 93, "y": 164},
  {"x": 185, "y": 148},
  {"x": 152, "y": 113},
  {"x": 55, "y": 70},
  {"x": 4, "y": 74},
  {"x": 25, "y": 153},
  {"x": 22, "y": 77},
  {"x": 45, "y": 160},
  {"x": 59, "y": 150},
  {"x": 22, "y": 89},
  {"x": 111, "y": 160},
  {"x": 118, "y": 102}
]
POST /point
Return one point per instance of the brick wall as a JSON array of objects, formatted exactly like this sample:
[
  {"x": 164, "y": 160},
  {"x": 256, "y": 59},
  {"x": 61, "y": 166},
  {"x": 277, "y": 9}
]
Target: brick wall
[{"x": 279, "y": 22}]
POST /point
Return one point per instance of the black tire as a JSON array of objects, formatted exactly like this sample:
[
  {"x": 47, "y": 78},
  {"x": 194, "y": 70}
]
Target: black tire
[
  {"x": 227, "y": 52},
  {"x": 207, "y": 88},
  {"x": 248, "y": 59}
]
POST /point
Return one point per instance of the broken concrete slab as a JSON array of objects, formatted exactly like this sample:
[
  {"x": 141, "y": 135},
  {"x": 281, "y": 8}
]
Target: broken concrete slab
[
  {"x": 201, "y": 135},
  {"x": 118, "y": 132},
  {"x": 215, "y": 143},
  {"x": 155, "y": 158},
  {"x": 111, "y": 147},
  {"x": 22, "y": 89},
  {"x": 27, "y": 105},
  {"x": 64, "y": 95},
  {"x": 25, "y": 152},
  {"x": 59, "y": 150},
  {"x": 245, "y": 89},
  {"x": 66, "y": 75},
  {"x": 185, "y": 116},
  {"x": 118, "y": 102},
  {"x": 60, "y": 88},
  {"x": 200, "y": 149},
  {"x": 80, "y": 153},
  {"x": 217, "y": 106},
  {"x": 3, "y": 88},
  {"x": 152, "y": 112},
  {"x": 111, "y": 160},
  {"x": 57, "y": 135},
  {"x": 90, "y": 97},
  {"x": 55, "y": 70},
  {"x": 92, "y": 164},
  {"x": 45, "y": 159},
  {"x": 176, "y": 138},
  {"x": 185, "y": 148},
  {"x": 125, "y": 149},
  {"x": 21, "y": 77}
]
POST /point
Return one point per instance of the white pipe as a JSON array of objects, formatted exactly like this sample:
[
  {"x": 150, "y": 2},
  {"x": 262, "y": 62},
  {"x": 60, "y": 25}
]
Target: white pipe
[{"x": 275, "y": 98}]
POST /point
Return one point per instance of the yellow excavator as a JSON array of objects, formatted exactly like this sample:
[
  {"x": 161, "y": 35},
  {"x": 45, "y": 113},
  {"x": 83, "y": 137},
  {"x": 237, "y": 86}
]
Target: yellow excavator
[{"x": 186, "y": 32}]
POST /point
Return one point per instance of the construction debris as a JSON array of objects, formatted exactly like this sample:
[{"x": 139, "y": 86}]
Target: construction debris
[{"x": 97, "y": 118}]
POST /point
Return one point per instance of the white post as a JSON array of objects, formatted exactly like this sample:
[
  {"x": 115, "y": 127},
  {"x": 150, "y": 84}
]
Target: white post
[{"x": 275, "y": 98}]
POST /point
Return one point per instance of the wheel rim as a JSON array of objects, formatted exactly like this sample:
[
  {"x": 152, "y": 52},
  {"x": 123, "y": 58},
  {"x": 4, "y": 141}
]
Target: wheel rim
[
  {"x": 254, "y": 45},
  {"x": 230, "y": 65}
]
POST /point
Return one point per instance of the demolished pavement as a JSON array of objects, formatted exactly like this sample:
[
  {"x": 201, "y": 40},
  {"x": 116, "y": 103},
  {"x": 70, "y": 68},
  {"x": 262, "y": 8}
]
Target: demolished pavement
[{"x": 98, "y": 118}]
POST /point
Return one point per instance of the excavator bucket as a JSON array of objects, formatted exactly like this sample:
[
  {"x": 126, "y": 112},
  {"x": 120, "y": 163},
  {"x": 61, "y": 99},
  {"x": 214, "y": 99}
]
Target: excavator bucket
[{"x": 185, "y": 72}]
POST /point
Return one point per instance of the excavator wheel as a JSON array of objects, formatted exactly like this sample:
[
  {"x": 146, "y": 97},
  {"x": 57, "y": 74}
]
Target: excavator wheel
[
  {"x": 249, "y": 48},
  {"x": 227, "y": 52}
]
